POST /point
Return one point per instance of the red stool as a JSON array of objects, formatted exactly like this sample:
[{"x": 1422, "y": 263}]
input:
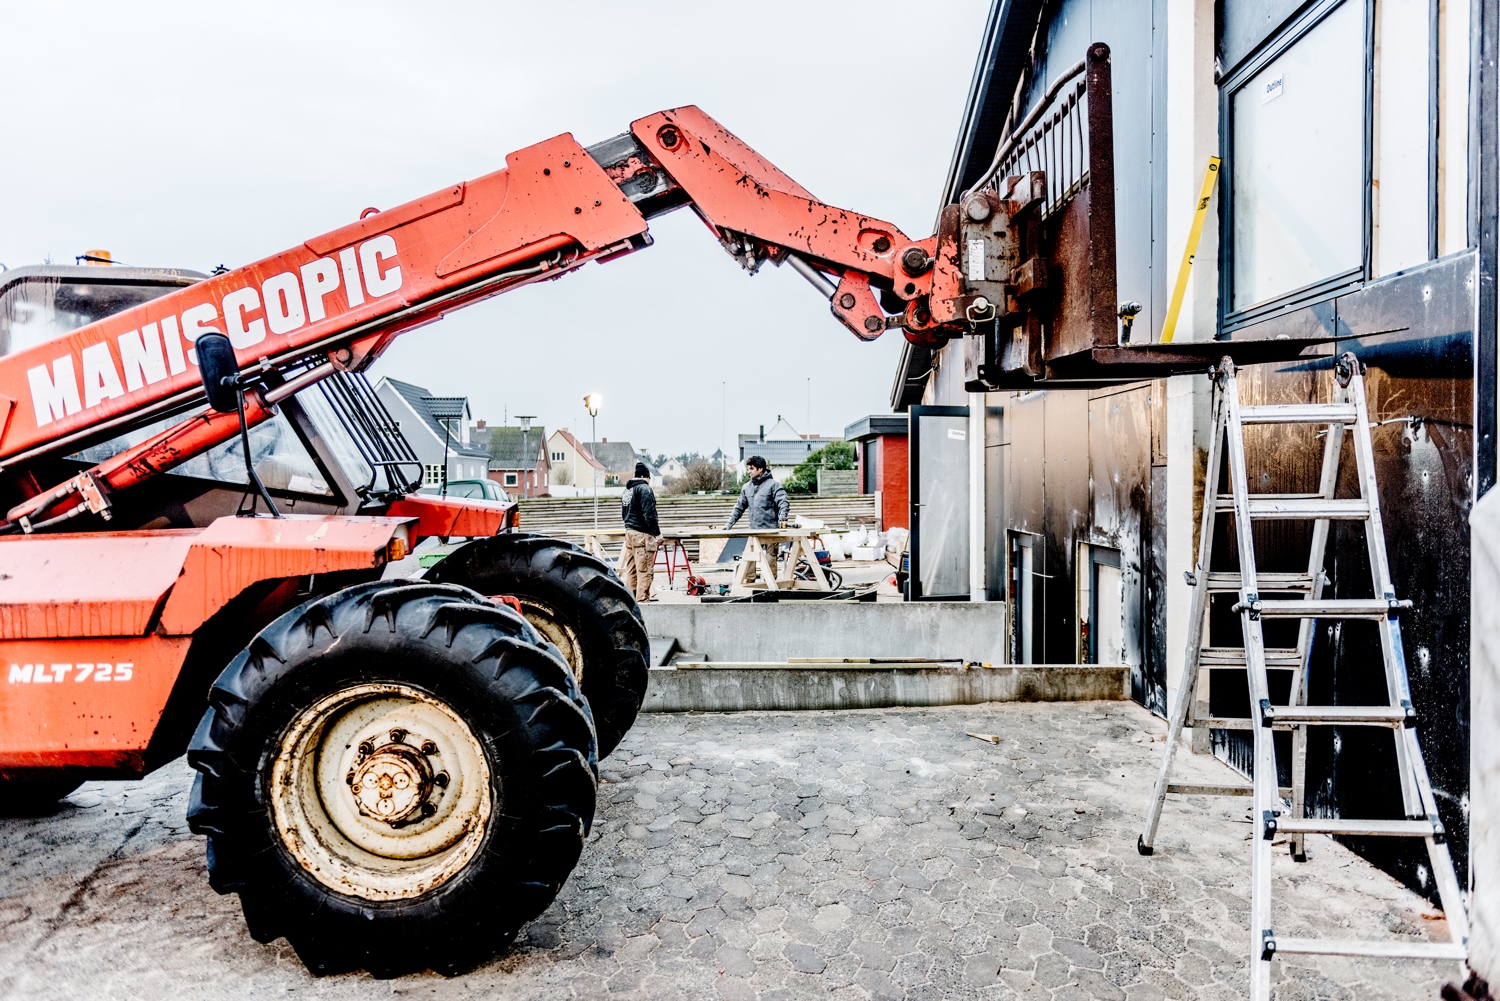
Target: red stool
[{"x": 668, "y": 551}]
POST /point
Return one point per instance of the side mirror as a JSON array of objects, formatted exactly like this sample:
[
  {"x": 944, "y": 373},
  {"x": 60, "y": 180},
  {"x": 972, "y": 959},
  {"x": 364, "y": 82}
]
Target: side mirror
[{"x": 219, "y": 370}]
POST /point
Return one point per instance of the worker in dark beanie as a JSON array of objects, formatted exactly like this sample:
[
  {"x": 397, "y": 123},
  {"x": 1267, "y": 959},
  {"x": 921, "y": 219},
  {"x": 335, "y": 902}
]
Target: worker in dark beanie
[{"x": 642, "y": 533}]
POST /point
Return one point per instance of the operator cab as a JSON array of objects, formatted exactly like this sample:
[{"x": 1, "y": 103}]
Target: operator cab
[{"x": 330, "y": 450}]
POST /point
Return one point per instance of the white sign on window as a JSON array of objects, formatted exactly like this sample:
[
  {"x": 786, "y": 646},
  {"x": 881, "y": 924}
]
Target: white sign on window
[
  {"x": 957, "y": 434},
  {"x": 1272, "y": 88}
]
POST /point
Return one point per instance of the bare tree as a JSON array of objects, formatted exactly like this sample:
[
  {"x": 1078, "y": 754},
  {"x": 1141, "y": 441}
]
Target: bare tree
[{"x": 699, "y": 475}]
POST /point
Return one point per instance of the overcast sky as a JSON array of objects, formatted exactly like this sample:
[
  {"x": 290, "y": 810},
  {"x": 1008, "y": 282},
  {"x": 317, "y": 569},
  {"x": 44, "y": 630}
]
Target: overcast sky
[{"x": 195, "y": 135}]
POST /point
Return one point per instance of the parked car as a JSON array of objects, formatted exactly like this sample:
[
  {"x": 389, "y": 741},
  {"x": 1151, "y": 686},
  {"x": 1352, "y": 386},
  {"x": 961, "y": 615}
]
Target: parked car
[{"x": 478, "y": 489}]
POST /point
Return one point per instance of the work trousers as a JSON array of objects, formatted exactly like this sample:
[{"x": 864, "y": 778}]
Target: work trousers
[{"x": 638, "y": 564}]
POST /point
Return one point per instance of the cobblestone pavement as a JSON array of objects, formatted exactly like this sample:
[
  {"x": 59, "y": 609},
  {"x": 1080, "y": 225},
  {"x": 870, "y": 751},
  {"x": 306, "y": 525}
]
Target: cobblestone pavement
[{"x": 874, "y": 854}]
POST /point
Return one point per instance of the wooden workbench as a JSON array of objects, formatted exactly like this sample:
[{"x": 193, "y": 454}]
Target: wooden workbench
[{"x": 755, "y": 570}]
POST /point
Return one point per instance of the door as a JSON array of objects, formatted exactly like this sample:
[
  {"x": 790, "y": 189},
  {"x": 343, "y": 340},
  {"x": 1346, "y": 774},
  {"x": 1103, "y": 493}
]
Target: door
[
  {"x": 939, "y": 504},
  {"x": 1106, "y": 624},
  {"x": 1020, "y": 598}
]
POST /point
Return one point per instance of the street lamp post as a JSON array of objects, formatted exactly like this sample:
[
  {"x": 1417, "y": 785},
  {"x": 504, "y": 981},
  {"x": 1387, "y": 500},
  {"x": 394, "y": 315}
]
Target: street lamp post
[
  {"x": 591, "y": 404},
  {"x": 525, "y": 420}
]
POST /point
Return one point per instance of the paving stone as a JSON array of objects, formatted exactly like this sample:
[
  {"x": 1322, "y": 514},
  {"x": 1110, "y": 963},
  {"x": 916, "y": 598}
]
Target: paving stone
[{"x": 877, "y": 854}]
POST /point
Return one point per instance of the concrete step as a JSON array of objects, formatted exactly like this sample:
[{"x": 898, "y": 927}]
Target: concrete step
[{"x": 748, "y": 687}]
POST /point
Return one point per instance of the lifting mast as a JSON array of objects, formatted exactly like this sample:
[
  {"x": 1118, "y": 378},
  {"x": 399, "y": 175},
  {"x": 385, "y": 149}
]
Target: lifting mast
[{"x": 337, "y": 301}]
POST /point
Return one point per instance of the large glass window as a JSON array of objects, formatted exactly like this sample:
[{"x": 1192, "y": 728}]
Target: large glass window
[
  {"x": 1297, "y": 164},
  {"x": 281, "y": 460}
]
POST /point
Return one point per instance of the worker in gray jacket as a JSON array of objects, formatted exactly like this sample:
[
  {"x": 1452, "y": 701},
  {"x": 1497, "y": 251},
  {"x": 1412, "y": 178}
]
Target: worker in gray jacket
[{"x": 762, "y": 496}]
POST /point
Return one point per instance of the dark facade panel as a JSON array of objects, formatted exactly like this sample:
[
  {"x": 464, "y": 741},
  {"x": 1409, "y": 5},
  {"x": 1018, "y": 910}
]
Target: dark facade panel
[{"x": 1120, "y": 477}]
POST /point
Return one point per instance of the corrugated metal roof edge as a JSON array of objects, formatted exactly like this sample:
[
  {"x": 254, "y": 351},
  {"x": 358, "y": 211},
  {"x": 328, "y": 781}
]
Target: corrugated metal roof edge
[{"x": 1002, "y": 55}]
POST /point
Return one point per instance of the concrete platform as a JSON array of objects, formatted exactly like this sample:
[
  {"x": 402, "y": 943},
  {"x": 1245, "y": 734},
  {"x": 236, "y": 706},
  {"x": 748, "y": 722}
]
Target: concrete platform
[
  {"x": 741, "y": 687},
  {"x": 935, "y": 630}
]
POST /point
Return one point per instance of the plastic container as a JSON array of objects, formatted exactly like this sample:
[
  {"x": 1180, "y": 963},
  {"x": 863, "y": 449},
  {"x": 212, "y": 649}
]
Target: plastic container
[{"x": 867, "y": 554}]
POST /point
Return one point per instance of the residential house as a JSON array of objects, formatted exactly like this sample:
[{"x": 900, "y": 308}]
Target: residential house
[
  {"x": 670, "y": 471},
  {"x": 571, "y": 466},
  {"x": 783, "y": 447},
  {"x": 518, "y": 457},
  {"x": 439, "y": 430},
  {"x": 1357, "y": 198},
  {"x": 617, "y": 457}
]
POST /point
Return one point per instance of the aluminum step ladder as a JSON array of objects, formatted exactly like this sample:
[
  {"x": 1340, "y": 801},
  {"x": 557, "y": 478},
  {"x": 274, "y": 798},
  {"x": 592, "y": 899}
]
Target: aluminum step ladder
[{"x": 1271, "y": 812}]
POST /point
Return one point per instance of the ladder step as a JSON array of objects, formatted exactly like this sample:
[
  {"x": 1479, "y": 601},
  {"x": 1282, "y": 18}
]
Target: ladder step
[
  {"x": 1299, "y": 507},
  {"x": 1335, "y": 608},
  {"x": 1393, "y": 716},
  {"x": 1217, "y": 789},
  {"x": 1291, "y": 717},
  {"x": 1370, "y": 948},
  {"x": 1229, "y": 580},
  {"x": 1365, "y": 828},
  {"x": 1277, "y": 658},
  {"x": 1299, "y": 413}
]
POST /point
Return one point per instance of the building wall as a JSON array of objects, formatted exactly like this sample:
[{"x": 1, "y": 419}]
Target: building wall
[
  {"x": 1070, "y": 469},
  {"x": 1484, "y": 938},
  {"x": 895, "y": 485},
  {"x": 1076, "y": 475},
  {"x": 572, "y": 467}
]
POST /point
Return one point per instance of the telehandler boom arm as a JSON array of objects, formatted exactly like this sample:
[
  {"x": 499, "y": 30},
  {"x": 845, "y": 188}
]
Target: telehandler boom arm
[{"x": 337, "y": 300}]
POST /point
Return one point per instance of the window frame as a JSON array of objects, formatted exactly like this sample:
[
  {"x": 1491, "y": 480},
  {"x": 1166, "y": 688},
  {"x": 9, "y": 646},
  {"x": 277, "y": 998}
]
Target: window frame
[
  {"x": 1267, "y": 52},
  {"x": 428, "y": 477}
]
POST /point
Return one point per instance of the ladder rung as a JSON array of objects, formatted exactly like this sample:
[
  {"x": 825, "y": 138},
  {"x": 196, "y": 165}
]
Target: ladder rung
[
  {"x": 1277, "y": 658},
  {"x": 1224, "y": 722},
  {"x": 1335, "y": 608},
  {"x": 1370, "y": 948},
  {"x": 1217, "y": 789},
  {"x": 1364, "y": 828},
  {"x": 1230, "y": 580},
  {"x": 1283, "y": 719},
  {"x": 1341, "y": 715},
  {"x": 1299, "y": 413},
  {"x": 1299, "y": 507}
]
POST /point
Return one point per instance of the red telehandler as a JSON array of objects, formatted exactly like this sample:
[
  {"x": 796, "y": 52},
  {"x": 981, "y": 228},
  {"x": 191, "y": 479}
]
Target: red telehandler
[{"x": 392, "y": 774}]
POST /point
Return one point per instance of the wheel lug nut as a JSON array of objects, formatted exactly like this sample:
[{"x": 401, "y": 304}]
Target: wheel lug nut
[
  {"x": 366, "y": 748},
  {"x": 428, "y": 809},
  {"x": 440, "y": 780},
  {"x": 428, "y": 747},
  {"x": 398, "y": 735}
]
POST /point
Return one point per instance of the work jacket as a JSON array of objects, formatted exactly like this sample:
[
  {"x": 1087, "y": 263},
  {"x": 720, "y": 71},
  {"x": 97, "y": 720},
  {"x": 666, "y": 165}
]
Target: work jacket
[
  {"x": 638, "y": 507},
  {"x": 766, "y": 501}
]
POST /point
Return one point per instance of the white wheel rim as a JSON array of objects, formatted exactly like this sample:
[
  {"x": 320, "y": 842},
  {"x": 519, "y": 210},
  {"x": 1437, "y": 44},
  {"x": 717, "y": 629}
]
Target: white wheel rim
[
  {"x": 373, "y": 816},
  {"x": 544, "y": 620}
]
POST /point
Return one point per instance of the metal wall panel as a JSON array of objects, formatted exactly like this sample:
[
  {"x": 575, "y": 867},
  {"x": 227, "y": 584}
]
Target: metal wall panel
[{"x": 1120, "y": 480}]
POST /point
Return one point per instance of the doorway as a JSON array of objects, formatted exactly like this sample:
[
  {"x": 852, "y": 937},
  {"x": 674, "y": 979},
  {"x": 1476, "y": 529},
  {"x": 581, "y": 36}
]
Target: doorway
[
  {"x": 939, "y": 456},
  {"x": 1104, "y": 629},
  {"x": 1019, "y": 599}
]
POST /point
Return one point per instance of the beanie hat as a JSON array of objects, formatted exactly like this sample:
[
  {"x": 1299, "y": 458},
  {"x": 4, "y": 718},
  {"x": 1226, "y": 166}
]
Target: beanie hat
[{"x": 641, "y": 471}]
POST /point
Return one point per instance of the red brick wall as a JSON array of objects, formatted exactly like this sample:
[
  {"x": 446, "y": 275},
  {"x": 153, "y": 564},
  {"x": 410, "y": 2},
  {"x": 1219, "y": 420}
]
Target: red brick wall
[{"x": 895, "y": 486}]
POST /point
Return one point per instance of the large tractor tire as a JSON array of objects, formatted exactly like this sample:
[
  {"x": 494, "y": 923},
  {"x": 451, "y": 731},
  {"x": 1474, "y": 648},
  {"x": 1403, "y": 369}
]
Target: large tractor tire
[
  {"x": 575, "y": 600},
  {"x": 396, "y": 776},
  {"x": 28, "y": 797}
]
